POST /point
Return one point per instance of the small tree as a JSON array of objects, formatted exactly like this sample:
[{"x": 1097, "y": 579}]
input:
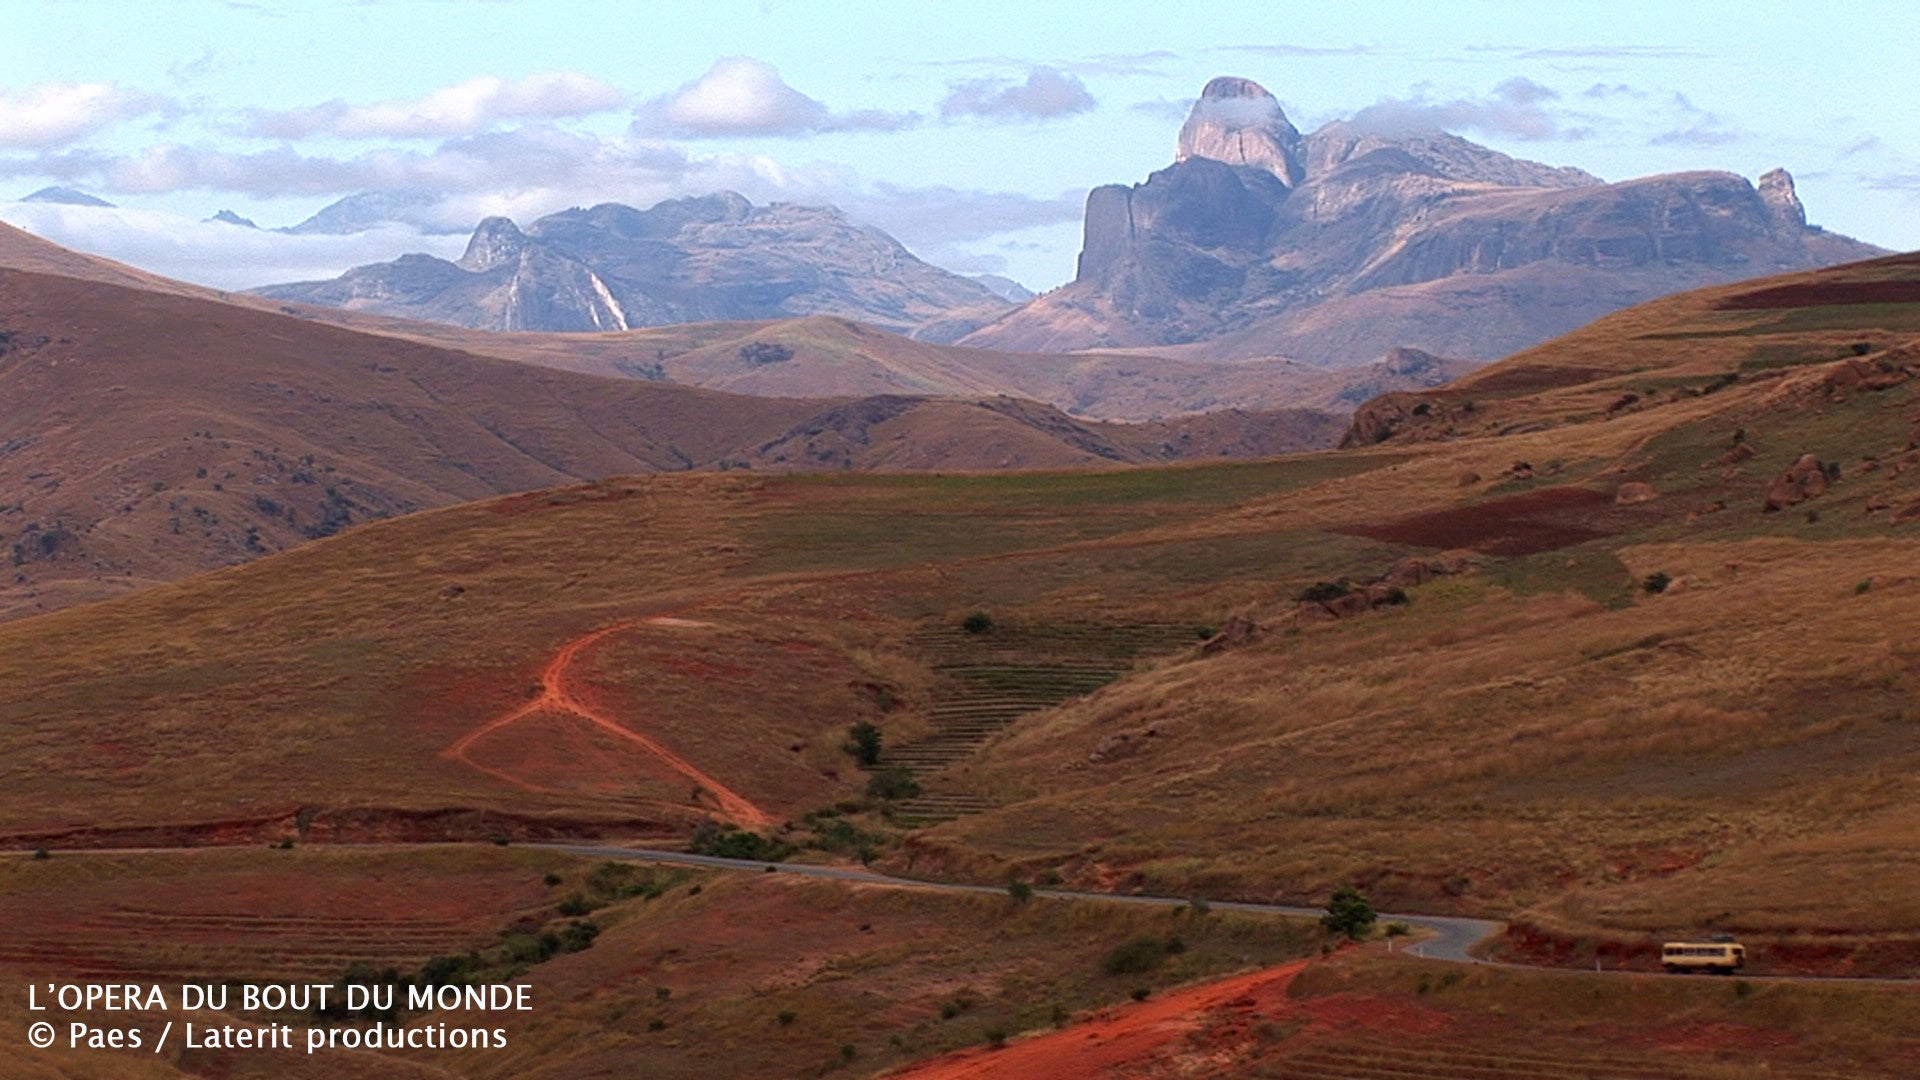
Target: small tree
[
  {"x": 863, "y": 742},
  {"x": 892, "y": 784},
  {"x": 978, "y": 622},
  {"x": 1349, "y": 913},
  {"x": 1019, "y": 890}
]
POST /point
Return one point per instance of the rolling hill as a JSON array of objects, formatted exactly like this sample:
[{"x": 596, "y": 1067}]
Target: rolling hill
[
  {"x": 1611, "y": 647},
  {"x": 152, "y": 432},
  {"x": 1616, "y": 670}
]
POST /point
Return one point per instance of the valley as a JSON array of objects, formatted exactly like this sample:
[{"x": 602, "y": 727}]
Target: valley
[{"x": 1468, "y": 664}]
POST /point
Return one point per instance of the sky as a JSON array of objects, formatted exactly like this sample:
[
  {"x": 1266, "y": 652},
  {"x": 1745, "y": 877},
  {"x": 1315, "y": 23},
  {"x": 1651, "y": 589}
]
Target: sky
[{"x": 970, "y": 131}]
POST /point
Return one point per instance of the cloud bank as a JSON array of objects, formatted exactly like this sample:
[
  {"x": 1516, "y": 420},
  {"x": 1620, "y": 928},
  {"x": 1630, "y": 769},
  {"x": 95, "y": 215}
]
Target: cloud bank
[
  {"x": 50, "y": 114},
  {"x": 462, "y": 109},
  {"x": 1047, "y": 94}
]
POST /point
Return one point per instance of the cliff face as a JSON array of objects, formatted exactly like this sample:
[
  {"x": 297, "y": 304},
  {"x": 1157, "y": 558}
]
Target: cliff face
[
  {"x": 612, "y": 267},
  {"x": 1336, "y": 247}
]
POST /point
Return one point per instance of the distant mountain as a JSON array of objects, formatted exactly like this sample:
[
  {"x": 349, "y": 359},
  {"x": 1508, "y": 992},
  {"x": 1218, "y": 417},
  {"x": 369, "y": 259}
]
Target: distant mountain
[
  {"x": 1004, "y": 287},
  {"x": 228, "y": 217},
  {"x": 67, "y": 196},
  {"x": 613, "y": 267},
  {"x": 1336, "y": 247},
  {"x": 369, "y": 209}
]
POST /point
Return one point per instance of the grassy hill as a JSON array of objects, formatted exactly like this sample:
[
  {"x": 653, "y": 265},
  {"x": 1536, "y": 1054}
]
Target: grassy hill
[
  {"x": 1535, "y": 721},
  {"x": 150, "y": 434},
  {"x": 1561, "y": 664}
]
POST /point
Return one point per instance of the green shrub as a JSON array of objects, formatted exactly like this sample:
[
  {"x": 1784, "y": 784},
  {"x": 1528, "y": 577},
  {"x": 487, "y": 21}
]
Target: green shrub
[
  {"x": 1020, "y": 890},
  {"x": 1349, "y": 913},
  {"x": 978, "y": 622},
  {"x": 892, "y": 784},
  {"x": 732, "y": 842},
  {"x": 1322, "y": 591},
  {"x": 1142, "y": 954},
  {"x": 1656, "y": 582},
  {"x": 863, "y": 742},
  {"x": 576, "y": 905}
]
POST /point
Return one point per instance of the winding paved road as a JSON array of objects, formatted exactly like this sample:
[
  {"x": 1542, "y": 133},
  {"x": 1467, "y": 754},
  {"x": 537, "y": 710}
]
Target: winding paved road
[{"x": 1453, "y": 938}]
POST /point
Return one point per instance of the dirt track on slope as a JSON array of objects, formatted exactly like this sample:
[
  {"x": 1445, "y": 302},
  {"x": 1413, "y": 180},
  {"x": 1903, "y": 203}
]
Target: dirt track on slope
[
  {"x": 1216, "y": 1019},
  {"x": 556, "y": 699}
]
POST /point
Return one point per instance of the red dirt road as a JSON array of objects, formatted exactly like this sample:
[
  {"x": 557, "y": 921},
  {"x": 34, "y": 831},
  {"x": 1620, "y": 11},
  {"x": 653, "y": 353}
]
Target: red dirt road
[
  {"x": 557, "y": 699},
  {"x": 1125, "y": 1041}
]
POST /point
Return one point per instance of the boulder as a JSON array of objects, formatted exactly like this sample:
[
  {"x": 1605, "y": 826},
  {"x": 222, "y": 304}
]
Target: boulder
[
  {"x": 1409, "y": 571},
  {"x": 1738, "y": 453},
  {"x": 1238, "y": 630},
  {"x": 1803, "y": 480},
  {"x": 1634, "y": 492}
]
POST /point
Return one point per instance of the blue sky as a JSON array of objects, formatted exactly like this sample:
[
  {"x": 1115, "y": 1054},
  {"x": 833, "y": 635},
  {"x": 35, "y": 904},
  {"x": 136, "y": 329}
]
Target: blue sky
[{"x": 970, "y": 131}]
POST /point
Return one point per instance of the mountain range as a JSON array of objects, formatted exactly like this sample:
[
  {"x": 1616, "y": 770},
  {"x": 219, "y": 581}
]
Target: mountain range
[
  {"x": 612, "y": 267},
  {"x": 1329, "y": 249},
  {"x": 1332, "y": 248}
]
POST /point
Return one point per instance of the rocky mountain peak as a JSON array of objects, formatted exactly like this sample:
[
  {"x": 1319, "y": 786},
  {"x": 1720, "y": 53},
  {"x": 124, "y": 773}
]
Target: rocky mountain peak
[
  {"x": 1776, "y": 190},
  {"x": 1238, "y": 122},
  {"x": 496, "y": 240}
]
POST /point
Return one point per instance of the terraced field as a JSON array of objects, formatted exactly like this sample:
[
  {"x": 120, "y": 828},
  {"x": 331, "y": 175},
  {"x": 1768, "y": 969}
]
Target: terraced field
[
  {"x": 252, "y": 915},
  {"x": 160, "y": 946},
  {"x": 988, "y": 680}
]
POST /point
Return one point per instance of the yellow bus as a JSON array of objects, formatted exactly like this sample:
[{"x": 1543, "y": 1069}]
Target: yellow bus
[{"x": 1718, "y": 957}]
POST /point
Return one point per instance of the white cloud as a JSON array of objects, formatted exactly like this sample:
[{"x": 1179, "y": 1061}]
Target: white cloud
[
  {"x": 743, "y": 96},
  {"x": 520, "y": 173},
  {"x": 49, "y": 114},
  {"x": 215, "y": 254},
  {"x": 462, "y": 109},
  {"x": 1047, "y": 94},
  {"x": 1518, "y": 108}
]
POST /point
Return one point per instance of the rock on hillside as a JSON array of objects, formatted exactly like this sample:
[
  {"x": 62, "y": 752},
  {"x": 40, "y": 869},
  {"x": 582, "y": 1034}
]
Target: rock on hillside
[
  {"x": 1334, "y": 248},
  {"x": 612, "y": 267}
]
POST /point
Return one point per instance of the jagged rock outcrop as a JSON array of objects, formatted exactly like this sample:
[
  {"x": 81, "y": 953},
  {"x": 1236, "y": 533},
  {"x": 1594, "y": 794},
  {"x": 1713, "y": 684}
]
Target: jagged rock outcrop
[
  {"x": 1776, "y": 191},
  {"x": 1333, "y": 248},
  {"x": 1237, "y": 122},
  {"x": 612, "y": 267}
]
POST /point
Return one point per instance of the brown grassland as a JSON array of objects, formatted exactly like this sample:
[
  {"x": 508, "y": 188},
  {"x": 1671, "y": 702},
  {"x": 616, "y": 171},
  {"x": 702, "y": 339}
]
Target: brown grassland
[{"x": 1623, "y": 714}]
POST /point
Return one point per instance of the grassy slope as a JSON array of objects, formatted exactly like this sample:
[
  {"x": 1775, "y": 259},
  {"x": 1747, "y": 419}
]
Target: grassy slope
[
  {"x": 150, "y": 435},
  {"x": 1734, "y": 753},
  {"x": 1510, "y": 738}
]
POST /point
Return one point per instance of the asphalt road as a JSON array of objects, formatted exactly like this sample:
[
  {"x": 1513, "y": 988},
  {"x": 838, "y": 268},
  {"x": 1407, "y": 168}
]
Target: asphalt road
[{"x": 1452, "y": 938}]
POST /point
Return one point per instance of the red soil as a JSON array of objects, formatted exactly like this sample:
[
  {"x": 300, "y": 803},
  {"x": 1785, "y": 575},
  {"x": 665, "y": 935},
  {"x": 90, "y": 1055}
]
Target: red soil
[
  {"x": 1202, "y": 1023},
  {"x": 508, "y": 759},
  {"x": 1523, "y": 524},
  {"x": 1818, "y": 293}
]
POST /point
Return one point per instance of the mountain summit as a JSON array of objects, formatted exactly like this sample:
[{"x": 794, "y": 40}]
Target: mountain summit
[
  {"x": 1339, "y": 246},
  {"x": 1236, "y": 121}
]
